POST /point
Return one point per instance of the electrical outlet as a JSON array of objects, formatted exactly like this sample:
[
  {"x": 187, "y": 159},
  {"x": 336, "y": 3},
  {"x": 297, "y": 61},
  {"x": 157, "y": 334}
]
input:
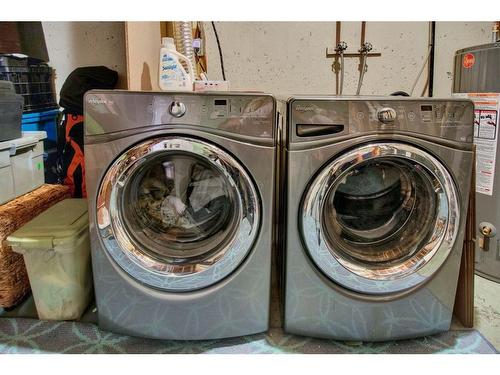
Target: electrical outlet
[
  {"x": 198, "y": 47},
  {"x": 201, "y": 86}
]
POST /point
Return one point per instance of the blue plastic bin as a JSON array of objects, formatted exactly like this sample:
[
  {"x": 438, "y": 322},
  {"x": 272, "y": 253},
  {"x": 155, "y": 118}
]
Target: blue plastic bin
[{"x": 46, "y": 121}]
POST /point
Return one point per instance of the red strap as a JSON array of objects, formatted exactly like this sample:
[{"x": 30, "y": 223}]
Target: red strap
[
  {"x": 71, "y": 121},
  {"x": 78, "y": 157}
]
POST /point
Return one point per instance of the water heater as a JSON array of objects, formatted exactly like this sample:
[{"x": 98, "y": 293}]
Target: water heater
[
  {"x": 477, "y": 69},
  {"x": 477, "y": 76}
]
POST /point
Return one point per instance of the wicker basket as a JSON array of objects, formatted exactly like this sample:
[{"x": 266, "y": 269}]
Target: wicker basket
[{"x": 14, "y": 283}]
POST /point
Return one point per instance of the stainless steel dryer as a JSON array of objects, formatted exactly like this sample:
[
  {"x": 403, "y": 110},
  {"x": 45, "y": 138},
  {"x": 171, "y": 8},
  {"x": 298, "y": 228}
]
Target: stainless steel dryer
[
  {"x": 376, "y": 199},
  {"x": 181, "y": 194}
]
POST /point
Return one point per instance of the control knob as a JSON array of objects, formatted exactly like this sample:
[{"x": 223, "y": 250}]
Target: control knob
[
  {"x": 177, "y": 109},
  {"x": 386, "y": 115}
]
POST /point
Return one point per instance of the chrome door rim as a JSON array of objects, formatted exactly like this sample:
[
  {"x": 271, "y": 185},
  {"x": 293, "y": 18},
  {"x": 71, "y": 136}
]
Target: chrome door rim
[
  {"x": 173, "y": 277},
  {"x": 355, "y": 277}
]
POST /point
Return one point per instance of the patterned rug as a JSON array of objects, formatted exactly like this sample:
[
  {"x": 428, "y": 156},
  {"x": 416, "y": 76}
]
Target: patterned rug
[{"x": 34, "y": 336}]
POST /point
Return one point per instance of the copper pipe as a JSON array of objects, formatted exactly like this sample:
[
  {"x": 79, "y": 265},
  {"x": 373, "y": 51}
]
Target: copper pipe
[
  {"x": 338, "y": 27},
  {"x": 337, "y": 34},
  {"x": 363, "y": 33},
  {"x": 495, "y": 32}
]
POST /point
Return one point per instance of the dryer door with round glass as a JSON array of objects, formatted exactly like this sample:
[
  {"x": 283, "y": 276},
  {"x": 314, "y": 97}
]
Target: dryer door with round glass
[
  {"x": 381, "y": 218},
  {"x": 177, "y": 213}
]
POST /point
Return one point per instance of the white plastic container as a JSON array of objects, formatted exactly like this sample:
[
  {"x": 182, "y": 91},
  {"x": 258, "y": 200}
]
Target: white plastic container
[
  {"x": 172, "y": 75},
  {"x": 56, "y": 250},
  {"x": 21, "y": 165}
]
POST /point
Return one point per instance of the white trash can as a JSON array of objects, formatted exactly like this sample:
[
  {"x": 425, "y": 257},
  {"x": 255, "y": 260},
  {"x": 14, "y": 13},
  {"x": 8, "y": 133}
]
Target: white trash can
[
  {"x": 56, "y": 250},
  {"x": 21, "y": 165}
]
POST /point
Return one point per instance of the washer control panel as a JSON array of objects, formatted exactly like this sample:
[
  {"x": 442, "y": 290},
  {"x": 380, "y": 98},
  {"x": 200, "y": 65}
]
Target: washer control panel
[{"x": 244, "y": 114}]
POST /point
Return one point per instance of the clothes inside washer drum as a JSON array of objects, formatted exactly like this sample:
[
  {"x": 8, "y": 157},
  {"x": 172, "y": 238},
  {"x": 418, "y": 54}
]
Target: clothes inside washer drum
[
  {"x": 158, "y": 201},
  {"x": 180, "y": 206}
]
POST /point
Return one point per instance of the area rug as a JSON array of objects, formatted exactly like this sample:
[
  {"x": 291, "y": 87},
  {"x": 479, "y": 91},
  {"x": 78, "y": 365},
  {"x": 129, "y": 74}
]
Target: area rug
[{"x": 19, "y": 335}]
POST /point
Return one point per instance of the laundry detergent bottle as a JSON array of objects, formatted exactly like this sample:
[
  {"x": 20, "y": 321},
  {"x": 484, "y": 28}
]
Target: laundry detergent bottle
[{"x": 173, "y": 76}]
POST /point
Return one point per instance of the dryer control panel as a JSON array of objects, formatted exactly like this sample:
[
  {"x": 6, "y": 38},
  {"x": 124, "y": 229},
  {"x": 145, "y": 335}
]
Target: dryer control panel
[{"x": 450, "y": 119}]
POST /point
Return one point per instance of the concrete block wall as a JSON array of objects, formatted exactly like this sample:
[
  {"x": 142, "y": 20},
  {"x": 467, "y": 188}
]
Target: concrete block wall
[
  {"x": 285, "y": 57},
  {"x": 289, "y": 57},
  {"x": 74, "y": 44}
]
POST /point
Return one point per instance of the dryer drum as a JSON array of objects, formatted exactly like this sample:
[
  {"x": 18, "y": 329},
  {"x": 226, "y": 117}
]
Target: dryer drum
[
  {"x": 380, "y": 218},
  {"x": 373, "y": 190},
  {"x": 372, "y": 212}
]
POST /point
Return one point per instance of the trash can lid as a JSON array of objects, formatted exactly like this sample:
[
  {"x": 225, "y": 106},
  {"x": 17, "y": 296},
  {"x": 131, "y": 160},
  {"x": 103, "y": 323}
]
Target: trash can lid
[
  {"x": 28, "y": 139},
  {"x": 38, "y": 134},
  {"x": 58, "y": 228}
]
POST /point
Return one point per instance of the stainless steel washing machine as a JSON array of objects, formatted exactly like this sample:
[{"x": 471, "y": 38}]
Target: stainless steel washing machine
[
  {"x": 376, "y": 202},
  {"x": 181, "y": 203}
]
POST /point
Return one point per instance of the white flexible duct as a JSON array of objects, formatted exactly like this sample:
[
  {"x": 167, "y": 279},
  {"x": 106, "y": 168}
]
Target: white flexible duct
[{"x": 183, "y": 35}]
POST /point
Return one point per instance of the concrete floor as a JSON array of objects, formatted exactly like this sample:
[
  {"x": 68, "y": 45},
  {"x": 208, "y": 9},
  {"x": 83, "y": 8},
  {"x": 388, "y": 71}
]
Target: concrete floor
[{"x": 486, "y": 310}]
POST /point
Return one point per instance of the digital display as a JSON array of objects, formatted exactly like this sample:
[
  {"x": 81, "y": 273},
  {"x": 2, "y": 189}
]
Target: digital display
[
  {"x": 220, "y": 102},
  {"x": 426, "y": 108}
]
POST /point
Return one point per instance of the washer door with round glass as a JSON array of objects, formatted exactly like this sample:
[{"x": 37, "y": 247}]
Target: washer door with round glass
[
  {"x": 177, "y": 213},
  {"x": 381, "y": 218}
]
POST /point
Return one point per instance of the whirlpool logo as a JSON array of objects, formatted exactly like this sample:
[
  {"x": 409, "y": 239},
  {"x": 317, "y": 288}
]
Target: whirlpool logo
[
  {"x": 95, "y": 101},
  {"x": 305, "y": 108}
]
